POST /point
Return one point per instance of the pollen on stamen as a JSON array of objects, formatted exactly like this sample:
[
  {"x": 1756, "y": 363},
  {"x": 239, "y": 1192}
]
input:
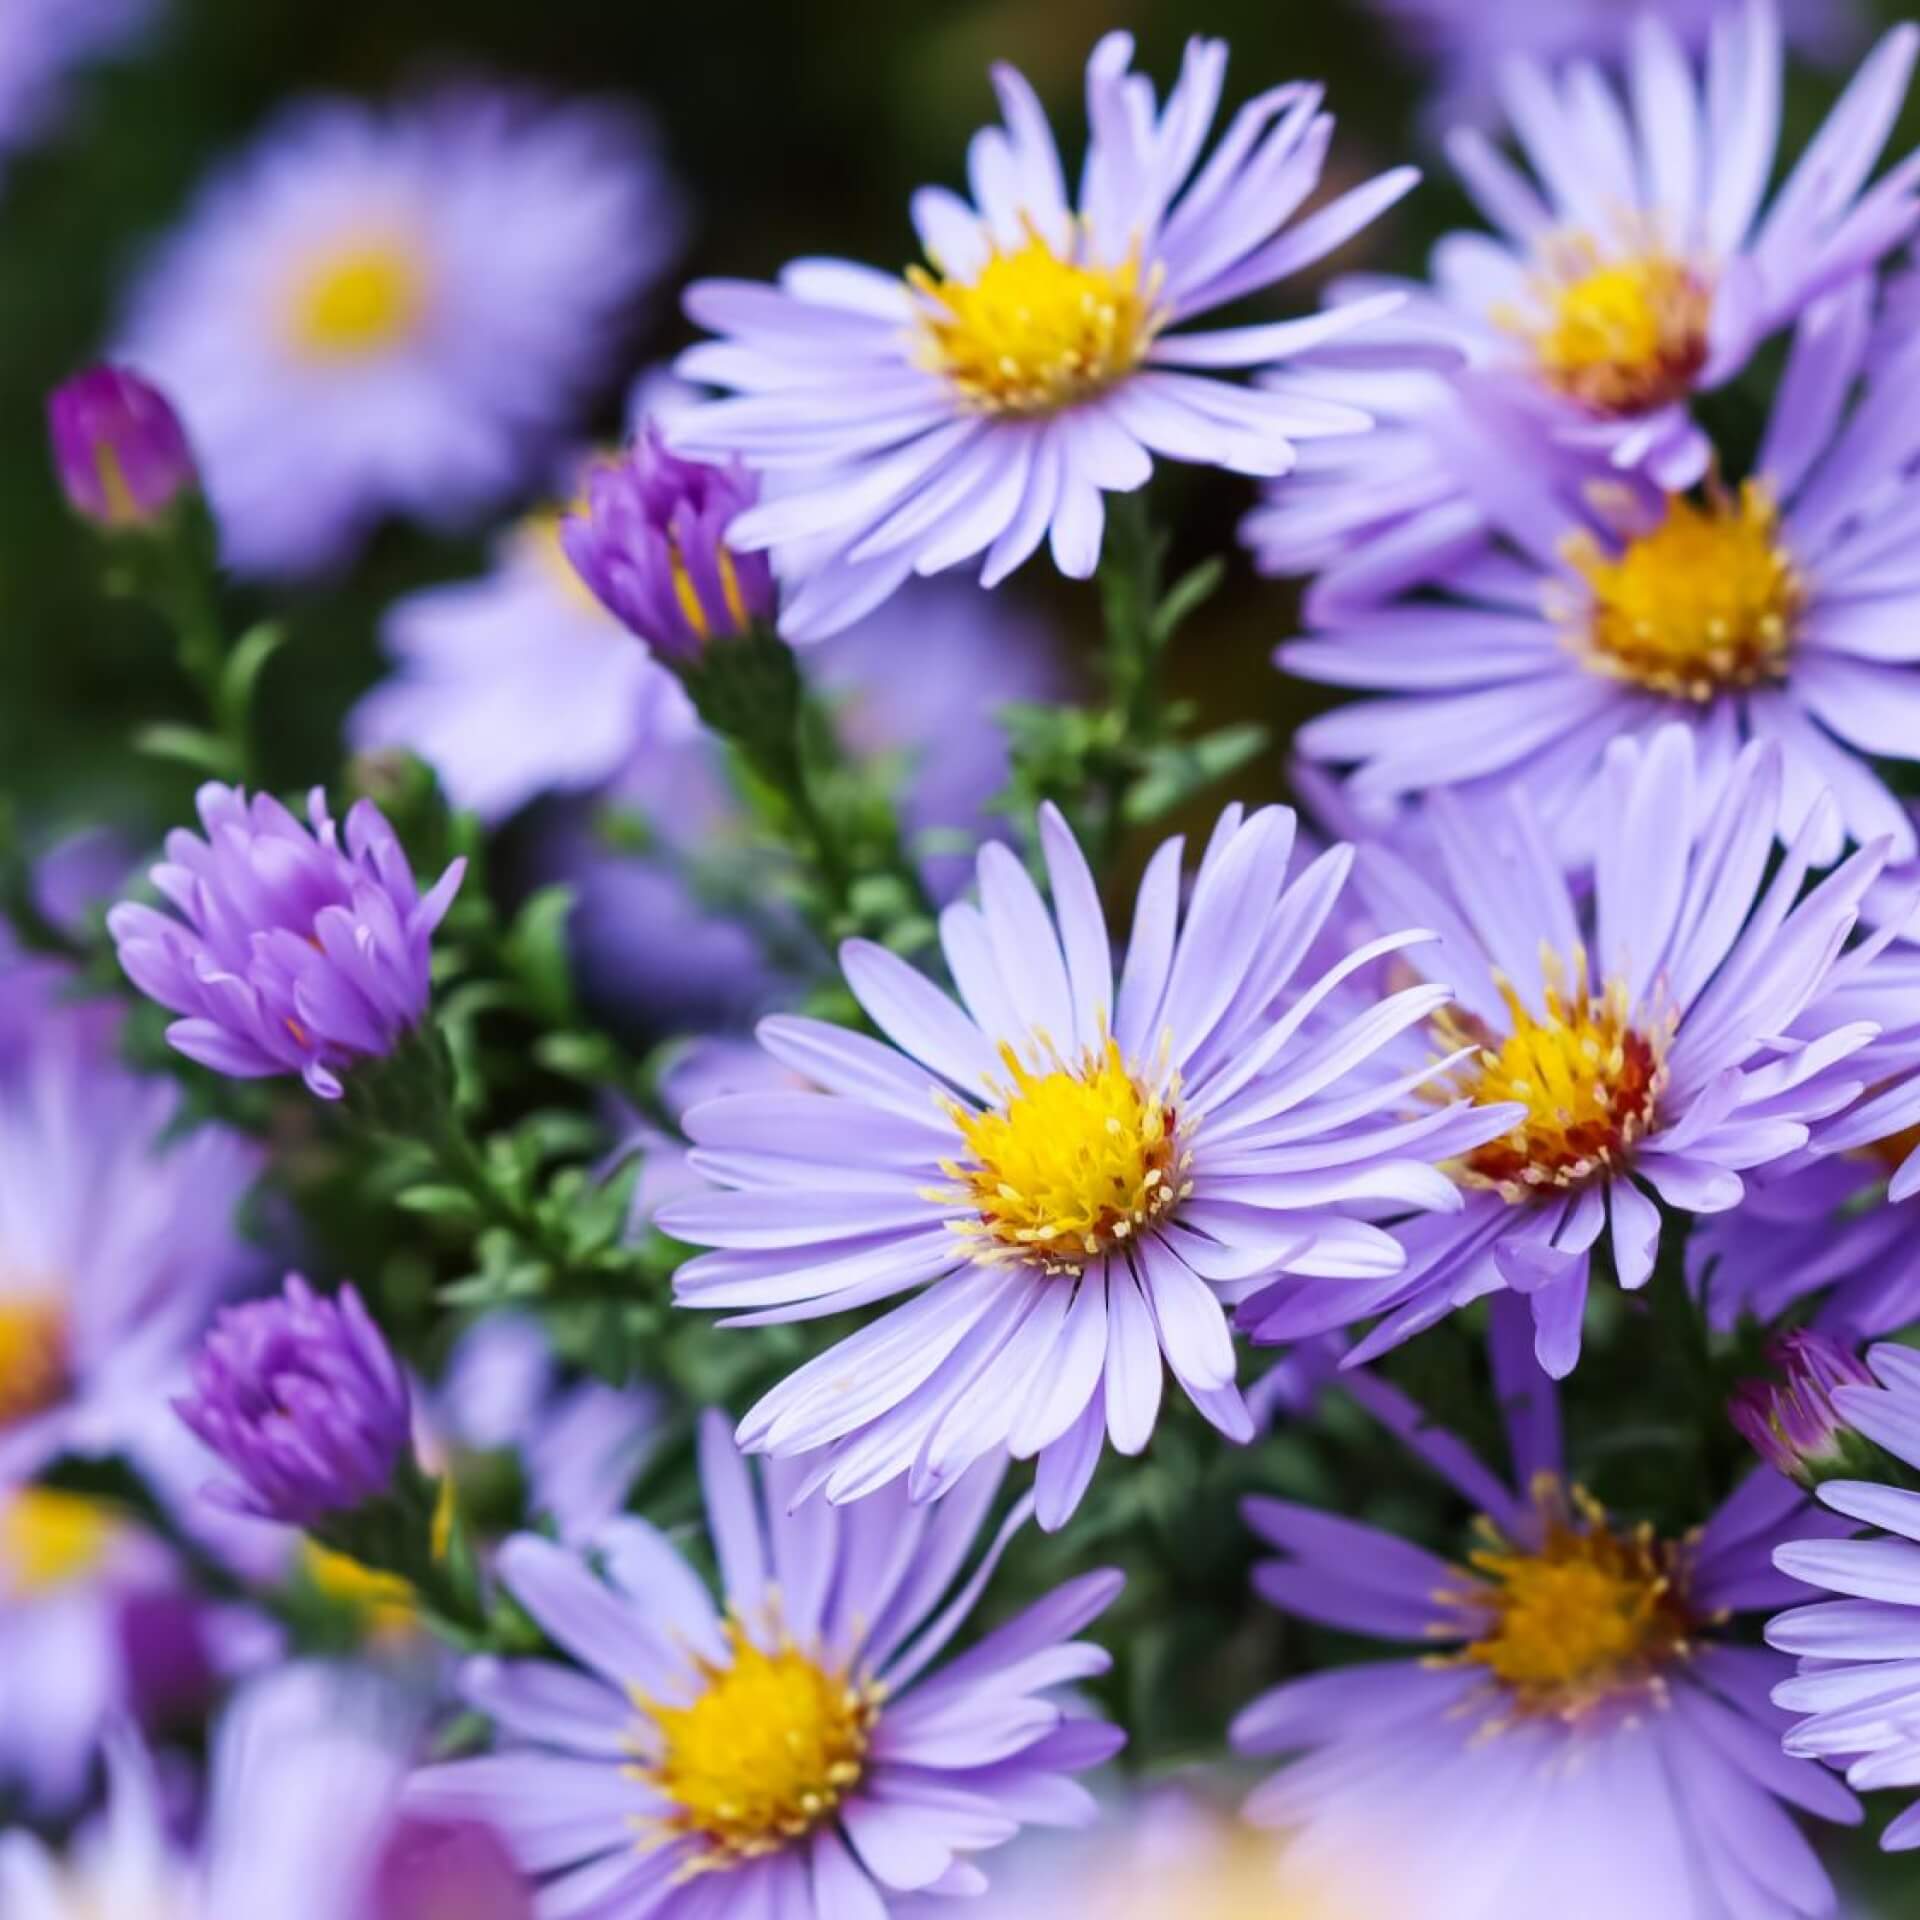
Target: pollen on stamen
[{"x": 1071, "y": 1165}]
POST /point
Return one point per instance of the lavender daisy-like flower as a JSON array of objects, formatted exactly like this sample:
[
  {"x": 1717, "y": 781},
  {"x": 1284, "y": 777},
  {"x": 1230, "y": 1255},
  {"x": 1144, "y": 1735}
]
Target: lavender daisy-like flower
[
  {"x": 400, "y": 310},
  {"x": 301, "y": 1399},
  {"x": 796, "y": 1754},
  {"x": 293, "y": 952},
  {"x": 1640, "y": 267},
  {"x": 1856, "y": 1686},
  {"x": 520, "y": 683},
  {"x": 304, "y": 1820},
  {"x": 117, "y": 1238},
  {"x": 1634, "y": 1028},
  {"x": 118, "y": 448},
  {"x": 1470, "y": 43},
  {"x": 1784, "y": 608},
  {"x": 1580, "y": 1729},
  {"x": 988, "y": 401},
  {"x": 1076, "y": 1177}
]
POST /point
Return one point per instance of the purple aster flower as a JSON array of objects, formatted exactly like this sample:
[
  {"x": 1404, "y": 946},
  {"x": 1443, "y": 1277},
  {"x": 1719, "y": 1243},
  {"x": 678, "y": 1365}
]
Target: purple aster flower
[
  {"x": 378, "y": 311},
  {"x": 292, "y": 953},
  {"x": 649, "y": 539},
  {"x": 1075, "y": 1177},
  {"x": 118, "y": 448},
  {"x": 304, "y": 1821},
  {"x": 117, "y": 1238},
  {"x": 1856, "y": 1686},
  {"x": 791, "y": 1754},
  {"x": 1579, "y": 1731},
  {"x": 1638, "y": 1029},
  {"x": 99, "y": 1623},
  {"x": 1471, "y": 42},
  {"x": 1783, "y": 609},
  {"x": 519, "y": 684},
  {"x": 44, "y": 43},
  {"x": 301, "y": 1398},
  {"x": 1641, "y": 266},
  {"x": 991, "y": 399},
  {"x": 1790, "y": 1420}
]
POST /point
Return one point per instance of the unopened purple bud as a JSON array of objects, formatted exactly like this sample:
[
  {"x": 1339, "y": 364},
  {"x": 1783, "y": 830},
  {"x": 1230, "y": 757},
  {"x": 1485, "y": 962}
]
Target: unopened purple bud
[
  {"x": 298, "y": 948},
  {"x": 1791, "y": 1421},
  {"x": 302, "y": 1398},
  {"x": 650, "y": 540},
  {"x": 118, "y": 447}
]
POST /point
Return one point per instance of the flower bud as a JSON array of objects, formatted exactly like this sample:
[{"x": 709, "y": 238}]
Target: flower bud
[
  {"x": 118, "y": 448},
  {"x": 302, "y": 1399},
  {"x": 649, "y": 540},
  {"x": 1791, "y": 1421}
]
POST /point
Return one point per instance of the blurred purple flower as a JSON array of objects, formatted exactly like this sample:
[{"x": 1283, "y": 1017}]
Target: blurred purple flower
[
  {"x": 42, "y": 44},
  {"x": 398, "y": 310},
  {"x": 520, "y": 683},
  {"x": 447, "y": 1867},
  {"x": 297, "y": 954},
  {"x": 650, "y": 541},
  {"x": 118, "y": 448},
  {"x": 117, "y": 1237},
  {"x": 302, "y": 1399}
]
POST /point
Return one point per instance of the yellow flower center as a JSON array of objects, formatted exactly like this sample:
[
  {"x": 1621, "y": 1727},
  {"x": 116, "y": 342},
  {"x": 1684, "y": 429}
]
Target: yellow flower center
[
  {"x": 1032, "y": 333},
  {"x": 48, "y": 1539},
  {"x": 1588, "y": 1616},
  {"x": 1071, "y": 1166},
  {"x": 1588, "y": 1078},
  {"x": 358, "y": 301},
  {"x": 1706, "y": 601},
  {"x": 33, "y": 1357},
  {"x": 769, "y": 1749},
  {"x": 1620, "y": 336}
]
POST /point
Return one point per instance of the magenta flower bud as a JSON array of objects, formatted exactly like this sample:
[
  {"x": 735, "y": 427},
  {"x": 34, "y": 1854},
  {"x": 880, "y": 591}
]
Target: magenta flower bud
[
  {"x": 1791, "y": 1422},
  {"x": 650, "y": 541},
  {"x": 432, "y": 1868},
  {"x": 297, "y": 949},
  {"x": 118, "y": 447},
  {"x": 302, "y": 1399}
]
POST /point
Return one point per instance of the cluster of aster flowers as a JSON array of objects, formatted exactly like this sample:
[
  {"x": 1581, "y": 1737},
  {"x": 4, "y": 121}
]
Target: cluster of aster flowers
[{"x": 896, "y": 1227}]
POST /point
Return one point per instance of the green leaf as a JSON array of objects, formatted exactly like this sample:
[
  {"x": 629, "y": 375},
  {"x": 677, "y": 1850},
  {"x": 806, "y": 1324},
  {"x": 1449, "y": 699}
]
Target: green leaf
[
  {"x": 536, "y": 950},
  {"x": 241, "y": 674},
  {"x": 1186, "y": 597},
  {"x": 204, "y": 752},
  {"x": 438, "y": 1202}
]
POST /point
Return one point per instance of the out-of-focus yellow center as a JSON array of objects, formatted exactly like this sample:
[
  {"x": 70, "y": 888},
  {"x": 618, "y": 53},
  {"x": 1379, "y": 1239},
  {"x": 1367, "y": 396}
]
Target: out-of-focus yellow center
[
  {"x": 381, "y": 1605},
  {"x": 33, "y": 1356},
  {"x": 1237, "y": 1874},
  {"x": 1587, "y": 1076},
  {"x": 49, "y": 1539},
  {"x": 1587, "y": 1616},
  {"x": 358, "y": 301},
  {"x": 1892, "y": 1151},
  {"x": 1071, "y": 1166},
  {"x": 1032, "y": 332},
  {"x": 1619, "y": 336},
  {"x": 1706, "y": 601},
  {"x": 770, "y": 1748}
]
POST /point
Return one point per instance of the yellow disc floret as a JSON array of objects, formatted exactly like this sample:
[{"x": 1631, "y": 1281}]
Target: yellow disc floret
[
  {"x": 1033, "y": 332},
  {"x": 1706, "y": 601},
  {"x": 1071, "y": 1165},
  {"x": 1619, "y": 336},
  {"x": 50, "y": 1539},
  {"x": 1589, "y": 1078},
  {"x": 358, "y": 301},
  {"x": 1587, "y": 1616},
  {"x": 768, "y": 1750},
  {"x": 33, "y": 1356}
]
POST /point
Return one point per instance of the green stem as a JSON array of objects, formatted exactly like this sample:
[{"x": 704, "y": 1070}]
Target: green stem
[{"x": 1130, "y": 593}]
